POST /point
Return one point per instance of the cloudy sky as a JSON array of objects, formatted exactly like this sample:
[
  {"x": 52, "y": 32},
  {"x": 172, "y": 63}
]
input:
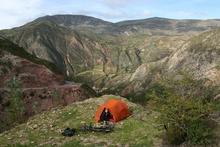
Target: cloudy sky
[{"x": 14, "y": 13}]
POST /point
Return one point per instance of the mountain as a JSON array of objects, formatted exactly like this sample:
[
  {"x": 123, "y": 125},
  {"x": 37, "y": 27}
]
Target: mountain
[
  {"x": 165, "y": 26},
  {"x": 121, "y": 58},
  {"x": 155, "y": 25},
  {"x": 79, "y": 22}
]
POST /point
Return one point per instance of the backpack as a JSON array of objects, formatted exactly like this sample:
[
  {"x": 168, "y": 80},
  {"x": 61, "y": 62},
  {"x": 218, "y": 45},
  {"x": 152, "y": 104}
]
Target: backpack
[{"x": 68, "y": 132}]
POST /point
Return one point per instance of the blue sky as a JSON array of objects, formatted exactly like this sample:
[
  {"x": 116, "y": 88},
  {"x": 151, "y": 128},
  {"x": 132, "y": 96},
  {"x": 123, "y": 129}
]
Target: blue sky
[{"x": 14, "y": 13}]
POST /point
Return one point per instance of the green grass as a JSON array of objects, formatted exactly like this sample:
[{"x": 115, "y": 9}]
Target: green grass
[{"x": 45, "y": 129}]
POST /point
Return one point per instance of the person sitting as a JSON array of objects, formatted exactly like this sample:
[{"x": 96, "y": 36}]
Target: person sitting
[{"x": 105, "y": 116}]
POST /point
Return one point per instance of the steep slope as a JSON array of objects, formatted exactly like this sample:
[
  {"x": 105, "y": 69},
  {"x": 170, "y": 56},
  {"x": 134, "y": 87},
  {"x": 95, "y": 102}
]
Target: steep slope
[
  {"x": 200, "y": 56},
  {"x": 69, "y": 50},
  {"x": 32, "y": 71}
]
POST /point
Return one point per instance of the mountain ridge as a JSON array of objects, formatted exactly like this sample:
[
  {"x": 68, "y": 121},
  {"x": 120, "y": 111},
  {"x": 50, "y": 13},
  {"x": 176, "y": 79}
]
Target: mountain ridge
[{"x": 96, "y": 25}]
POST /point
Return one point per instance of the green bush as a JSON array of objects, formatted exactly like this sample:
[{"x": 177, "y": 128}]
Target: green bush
[
  {"x": 199, "y": 133},
  {"x": 175, "y": 135},
  {"x": 16, "y": 107},
  {"x": 184, "y": 105}
]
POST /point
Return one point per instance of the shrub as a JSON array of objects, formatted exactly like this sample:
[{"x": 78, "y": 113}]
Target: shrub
[
  {"x": 184, "y": 105},
  {"x": 16, "y": 107},
  {"x": 36, "y": 107}
]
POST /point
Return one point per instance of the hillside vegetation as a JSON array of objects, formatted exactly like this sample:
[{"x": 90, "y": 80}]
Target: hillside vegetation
[
  {"x": 45, "y": 129},
  {"x": 188, "y": 110}
]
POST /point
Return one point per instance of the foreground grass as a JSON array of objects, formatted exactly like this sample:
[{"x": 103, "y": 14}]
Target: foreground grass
[{"x": 45, "y": 129}]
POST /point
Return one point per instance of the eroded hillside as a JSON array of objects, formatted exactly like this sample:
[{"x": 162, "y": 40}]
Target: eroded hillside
[{"x": 200, "y": 56}]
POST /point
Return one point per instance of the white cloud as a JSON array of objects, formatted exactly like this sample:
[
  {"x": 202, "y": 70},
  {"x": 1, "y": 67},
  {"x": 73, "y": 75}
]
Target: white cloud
[
  {"x": 19, "y": 6},
  {"x": 16, "y": 12},
  {"x": 186, "y": 14},
  {"x": 115, "y": 3},
  {"x": 145, "y": 13},
  {"x": 117, "y": 15}
]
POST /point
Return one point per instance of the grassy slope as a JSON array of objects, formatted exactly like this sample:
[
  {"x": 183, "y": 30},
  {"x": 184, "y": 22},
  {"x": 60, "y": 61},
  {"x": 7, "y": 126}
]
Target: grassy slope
[{"x": 46, "y": 129}]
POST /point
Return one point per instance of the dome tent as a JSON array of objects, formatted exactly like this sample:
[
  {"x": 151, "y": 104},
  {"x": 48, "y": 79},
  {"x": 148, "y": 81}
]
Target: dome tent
[{"x": 118, "y": 109}]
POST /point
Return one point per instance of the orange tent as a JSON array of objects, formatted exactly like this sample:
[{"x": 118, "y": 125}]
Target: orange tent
[{"x": 118, "y": 109}]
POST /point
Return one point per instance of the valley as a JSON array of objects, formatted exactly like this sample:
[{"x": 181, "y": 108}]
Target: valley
[
  {"x": 64, "y": 60},
  {"x": 105, "y": 55}
]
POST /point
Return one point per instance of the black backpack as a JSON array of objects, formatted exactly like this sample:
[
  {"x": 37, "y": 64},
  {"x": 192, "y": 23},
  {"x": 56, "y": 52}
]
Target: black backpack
[{"x": 69, "y": 132}]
